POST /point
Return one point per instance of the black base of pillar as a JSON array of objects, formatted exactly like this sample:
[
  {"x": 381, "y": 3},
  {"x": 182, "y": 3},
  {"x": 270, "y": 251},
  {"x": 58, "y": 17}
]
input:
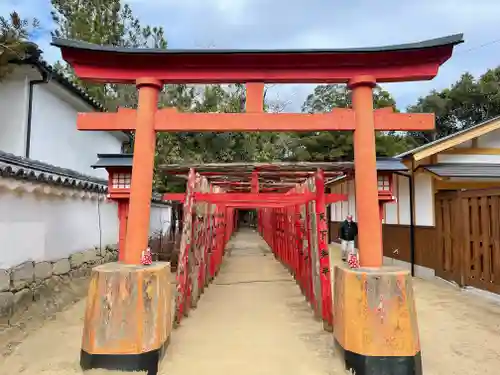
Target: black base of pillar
[
  {"x": 148, "y": 361},
  {"x": 362, "y": 364}
]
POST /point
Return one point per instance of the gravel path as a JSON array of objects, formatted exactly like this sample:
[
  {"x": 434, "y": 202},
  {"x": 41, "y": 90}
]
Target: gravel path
[{"x": 253, "y": 320}]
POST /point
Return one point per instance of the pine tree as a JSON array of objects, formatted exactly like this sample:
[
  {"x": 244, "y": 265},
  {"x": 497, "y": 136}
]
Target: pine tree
[{"x": 14, "y": 44}]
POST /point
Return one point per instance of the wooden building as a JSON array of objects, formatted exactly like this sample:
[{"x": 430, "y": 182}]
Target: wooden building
[{"x": 445, "y": 220}]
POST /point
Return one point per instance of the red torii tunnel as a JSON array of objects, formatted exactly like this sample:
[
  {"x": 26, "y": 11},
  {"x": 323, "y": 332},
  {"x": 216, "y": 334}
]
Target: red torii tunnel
[
  {"x": 291, "y": 215},
  {"x": 368, "y": 342},
  {"x": 293, "y": 222}
]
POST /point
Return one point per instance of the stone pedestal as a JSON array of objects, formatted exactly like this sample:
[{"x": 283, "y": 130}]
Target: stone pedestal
[
  {"x": 375, "y": 322},
  {"x": 128, "y": 317}
]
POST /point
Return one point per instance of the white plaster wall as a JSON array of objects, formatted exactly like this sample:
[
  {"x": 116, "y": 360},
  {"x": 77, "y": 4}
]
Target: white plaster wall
[
  {"x": 13, "y": 119},
  {"x": 339, "y": 209},
  {"x": 391, "y": 209},
  {"x": 444, "y": 158},
  {"x": 55, "y": 139},
  {"x": 160, "y": 219},
  {"x": 424, "y": 200},
  {"x": 351, "y": 200},
  {"x": 397, "y": 212},
  {"x": 42, "y": 227},
  {"x": 403, "y": 195},
  {"x": 490, "y": 140},
  {"x": 466, "y": 144}
]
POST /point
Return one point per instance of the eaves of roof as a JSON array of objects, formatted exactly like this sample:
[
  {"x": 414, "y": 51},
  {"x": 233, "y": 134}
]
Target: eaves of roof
[{"x": 19, "y": 168}]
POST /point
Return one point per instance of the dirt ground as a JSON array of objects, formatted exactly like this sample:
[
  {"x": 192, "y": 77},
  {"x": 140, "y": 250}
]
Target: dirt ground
[
  {"x": 459, "y": 331},
  {"x": 253, "y": 320}
]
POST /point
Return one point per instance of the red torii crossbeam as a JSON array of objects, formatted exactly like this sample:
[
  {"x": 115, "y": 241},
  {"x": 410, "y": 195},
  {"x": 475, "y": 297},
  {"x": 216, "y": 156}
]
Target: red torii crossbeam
[
  {"x": 170, "y": 120},
  {"x": 255, "y": 198}
]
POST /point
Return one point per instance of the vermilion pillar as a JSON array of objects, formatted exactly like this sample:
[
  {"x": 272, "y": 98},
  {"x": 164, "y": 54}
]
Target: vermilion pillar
[
  {"x": 123, "y": 205},
  {"x": 142, "y": 170},
  {"x": 365, "y": 165}
]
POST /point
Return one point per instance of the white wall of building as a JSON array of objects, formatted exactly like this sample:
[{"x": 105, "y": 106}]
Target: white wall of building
[
  {"x": 424, "y": 200},
  {"x": 41, "y": 227},
  {"x": 13, "y": 115},
  {"x": 160, "y": 219},
  {"x": 54, "y": 133},
  {"x": 490, "y": 140},
  {"x": 46, "y": 227},
  {"x": 403, "y": 203},
  {"x": 397, "y": 212},
  {"x": 54, "y": 138},
  {"x": 444, "y": 158}
]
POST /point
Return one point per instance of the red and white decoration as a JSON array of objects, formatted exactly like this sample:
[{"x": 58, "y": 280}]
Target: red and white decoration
[{"x": 146, "y": 258}]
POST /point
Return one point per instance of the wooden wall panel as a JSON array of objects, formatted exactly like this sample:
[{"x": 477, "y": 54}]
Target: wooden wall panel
[{"x": 397, "y": 237}]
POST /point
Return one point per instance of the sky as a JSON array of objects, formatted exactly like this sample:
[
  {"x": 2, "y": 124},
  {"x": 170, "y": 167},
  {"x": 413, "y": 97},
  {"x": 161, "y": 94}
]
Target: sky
[{"x": 268, "y": 24}]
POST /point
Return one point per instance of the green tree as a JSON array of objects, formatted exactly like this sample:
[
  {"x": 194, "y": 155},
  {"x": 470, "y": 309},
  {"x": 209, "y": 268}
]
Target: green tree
[
  {"x": 337, "y": 145},
  {"x": 14, "y": 43},
  {"x": 467, "y": 102},
  {"x": 104, "y": 22}
]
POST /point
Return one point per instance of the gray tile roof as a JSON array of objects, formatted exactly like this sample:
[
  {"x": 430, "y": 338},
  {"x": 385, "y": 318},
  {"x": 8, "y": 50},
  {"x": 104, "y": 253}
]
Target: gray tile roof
[
  {"x": 45, "y": 68},
  {"x": 19, "y": 168},
  {"x": 461, "y": 170},
  {"x": 113, "y": 160},
  {"x": 125, "y": 160},
  {"x": 12, "y": 166},
  {"x": 390, "y": 164}
]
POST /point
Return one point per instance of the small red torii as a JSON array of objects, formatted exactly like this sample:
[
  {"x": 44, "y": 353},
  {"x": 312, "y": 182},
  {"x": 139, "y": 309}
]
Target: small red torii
[{"x": 256, "y": 198}]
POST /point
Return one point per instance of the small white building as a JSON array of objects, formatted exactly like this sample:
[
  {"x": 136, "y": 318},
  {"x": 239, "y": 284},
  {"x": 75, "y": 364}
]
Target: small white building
[
  {"x": 446, "y": 217},
  {"x": 52, "y": 203}
]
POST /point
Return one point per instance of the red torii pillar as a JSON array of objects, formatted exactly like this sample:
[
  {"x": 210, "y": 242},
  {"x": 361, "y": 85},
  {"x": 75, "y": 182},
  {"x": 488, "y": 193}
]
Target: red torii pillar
[{"x": 142, "y": 170}]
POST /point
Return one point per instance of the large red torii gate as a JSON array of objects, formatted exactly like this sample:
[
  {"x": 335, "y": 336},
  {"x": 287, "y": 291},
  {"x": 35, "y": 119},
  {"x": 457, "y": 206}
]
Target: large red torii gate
[{"x": 361, "y": 69}]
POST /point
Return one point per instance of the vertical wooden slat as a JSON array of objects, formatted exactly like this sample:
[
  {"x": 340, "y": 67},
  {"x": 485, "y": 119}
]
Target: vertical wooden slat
[
  {"x": 439, "y": 235},
  {"x": 447, "y": 236},
  {"x": 466, "y": 257},
  {"x": 485, "y": 239},
  {"x": 457, "y": 242},
  {"x": 495, "y": 234},
  {"x": 475, "y": 269}
]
